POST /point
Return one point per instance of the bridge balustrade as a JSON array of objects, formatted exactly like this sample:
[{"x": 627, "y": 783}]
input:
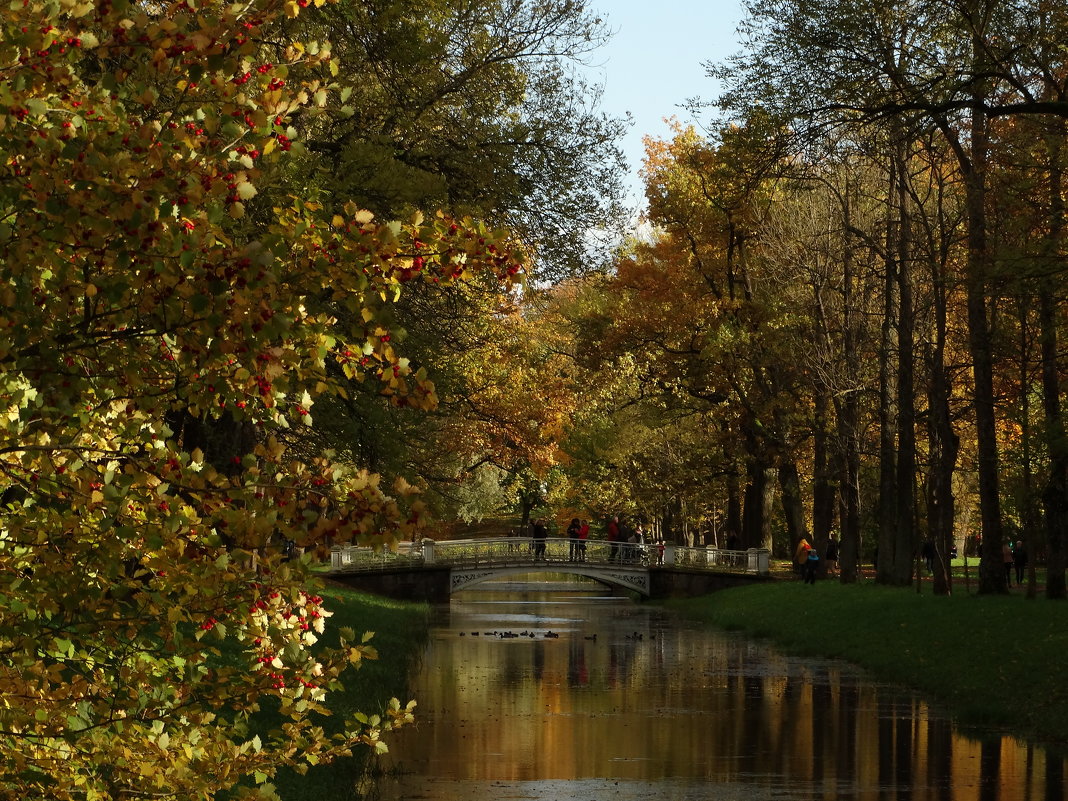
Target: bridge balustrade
[
  {"x": 509, "y": 551},
  {"x": 754, "y": 560},
  {"x": 358, "y": 557}
]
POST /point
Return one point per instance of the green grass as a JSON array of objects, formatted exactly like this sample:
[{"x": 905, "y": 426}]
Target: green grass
[
  {"x": 400, "y": 636},
  {"x": 990, "y": 660}
]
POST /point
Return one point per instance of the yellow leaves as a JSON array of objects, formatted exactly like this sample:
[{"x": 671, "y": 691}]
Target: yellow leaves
[
  {"x": 200, "y": 40},
  {"x": 75, "y": 8},
  {"x": 273, "y": 370},
  {"x": 360, "y": 216},
  {"x": 240, "y": 305},
  {"x": 357, "y": 653}
]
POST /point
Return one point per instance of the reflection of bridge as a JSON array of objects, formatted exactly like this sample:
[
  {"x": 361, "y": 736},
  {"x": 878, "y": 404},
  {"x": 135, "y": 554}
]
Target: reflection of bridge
[{"x": 432, "y": 570}]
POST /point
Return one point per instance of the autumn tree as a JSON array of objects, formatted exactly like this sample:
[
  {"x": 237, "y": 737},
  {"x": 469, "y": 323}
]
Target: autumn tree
[
  {"x": 696, "y": 323},
  {"x": 639, "y": 443},
  {"x": 478, "y": 108},
  {"x": 154, "y": 297},
  {"x": 910, "y": 66}
]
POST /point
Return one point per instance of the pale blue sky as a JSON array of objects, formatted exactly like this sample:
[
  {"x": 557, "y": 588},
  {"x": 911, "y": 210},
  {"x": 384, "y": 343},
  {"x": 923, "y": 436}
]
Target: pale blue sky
[{"x": 653, "y": 63}]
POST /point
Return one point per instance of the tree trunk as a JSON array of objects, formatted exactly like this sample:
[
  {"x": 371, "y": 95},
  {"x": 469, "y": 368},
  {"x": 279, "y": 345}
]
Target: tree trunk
[
  {"x": 733, "y": 524},
  {"x": 943, "y": 447},
  {"x": 823, "y": 490},
  {"x": 222, "y": 440},
  {"x": 847, "y": 410},
  {"x": 849, "y": 544},
  {"x": 1055, "y": 495},
  {"x": 905, "y": 541},
  {"x": 793, "y": 509},
  {"x": 888, "y": 504},
  {"x": 980, "y": 345},
  {"x": 759, "y": 499},
  {"x": 1029, "y": 515}
]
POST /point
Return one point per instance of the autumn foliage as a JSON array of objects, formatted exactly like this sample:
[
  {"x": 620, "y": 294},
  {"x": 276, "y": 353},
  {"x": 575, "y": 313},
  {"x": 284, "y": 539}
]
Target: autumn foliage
[{"x": 168, "y": 313}]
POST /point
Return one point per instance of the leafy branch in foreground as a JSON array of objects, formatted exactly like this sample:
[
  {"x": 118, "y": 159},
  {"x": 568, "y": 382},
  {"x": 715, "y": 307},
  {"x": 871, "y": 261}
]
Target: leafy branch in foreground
[{"x": 167, "y": 316}]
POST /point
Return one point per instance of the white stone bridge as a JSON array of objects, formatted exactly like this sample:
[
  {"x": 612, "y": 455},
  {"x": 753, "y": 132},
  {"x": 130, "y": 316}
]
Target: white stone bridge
[{"x": 433, "y": 570}]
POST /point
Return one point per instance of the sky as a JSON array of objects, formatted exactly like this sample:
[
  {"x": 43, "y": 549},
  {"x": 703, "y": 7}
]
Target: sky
[{"x": 653, "y": 63}]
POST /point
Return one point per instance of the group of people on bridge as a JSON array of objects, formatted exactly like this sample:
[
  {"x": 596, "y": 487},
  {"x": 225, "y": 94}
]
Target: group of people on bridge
[
  {"x": 625, "y": 545},
  {"x": 577, "y": 535}
]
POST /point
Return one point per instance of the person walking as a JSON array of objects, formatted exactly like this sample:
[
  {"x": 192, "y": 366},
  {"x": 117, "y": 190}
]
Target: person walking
[
  {"x": 801, "y": 554},
  {"x": 612, "y": 533},
  {"x": 630, "y": 548},
  {"x": 573, "y": 539},
  {"x": 583, "y": 535},
  {"x": 1007, "y": 558},
  {"x": 539, "y": 535},
  {"x": 832, "y": 556},
  {"x": 928, "y": 553},
  {"x": 1019, "y": 561},
  {"x": 812, "y": 563}
]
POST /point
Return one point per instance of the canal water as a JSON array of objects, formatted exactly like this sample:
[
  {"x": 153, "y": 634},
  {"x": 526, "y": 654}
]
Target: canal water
[{"x": 559, "y": 691}]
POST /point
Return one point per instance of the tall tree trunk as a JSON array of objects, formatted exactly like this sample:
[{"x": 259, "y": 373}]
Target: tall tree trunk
[
  {"x": 685, "y": 532},
  {"x": 667, "y": 523},
  {"x": 943, "y": 447},
  {"x": 823, "y": 489},
  {"x": 527, "y": 501},
  {"x": 980, "y": 345},
  {"x": 888, "y": 504},
  {"x": 973, "y": 165},
  {"x": 905, "y": 540},
  {"x": 759, "y": 499},
  {"x": 793, "y": 508},
  {"x": 1055, "y": 494},
  {"x": 847, "y": 411},
  {"x": 849, "y": 547},
  {"x": 733, "y": 524},
  {"x": 1029, "y": 516}
]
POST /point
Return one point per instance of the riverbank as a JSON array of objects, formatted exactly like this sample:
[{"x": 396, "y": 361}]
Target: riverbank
[
  {"x": 991, "y": 661},
  {"x": 400, "y": 636}
]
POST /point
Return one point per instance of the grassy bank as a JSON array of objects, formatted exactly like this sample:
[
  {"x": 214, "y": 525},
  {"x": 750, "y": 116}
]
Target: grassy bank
[
  {"x": 400, "y": 635},
  {"x": 991, "y": 661}
]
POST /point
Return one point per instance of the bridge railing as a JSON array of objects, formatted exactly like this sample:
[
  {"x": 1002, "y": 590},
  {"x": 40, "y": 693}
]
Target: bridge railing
[
  {"x": 754, "y": 560},
  {"x": 357, "y": 557},
  {"x": 501, "y": 550},
  {"x": 506, "y": 551}
]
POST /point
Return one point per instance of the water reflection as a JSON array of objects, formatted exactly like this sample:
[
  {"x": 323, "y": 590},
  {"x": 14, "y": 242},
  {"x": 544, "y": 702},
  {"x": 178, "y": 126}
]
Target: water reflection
[{"x": 627, "y": 701}]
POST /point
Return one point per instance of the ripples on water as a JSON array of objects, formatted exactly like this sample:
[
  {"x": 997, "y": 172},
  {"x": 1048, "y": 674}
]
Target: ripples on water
[{"x": 630, "y": 702}]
